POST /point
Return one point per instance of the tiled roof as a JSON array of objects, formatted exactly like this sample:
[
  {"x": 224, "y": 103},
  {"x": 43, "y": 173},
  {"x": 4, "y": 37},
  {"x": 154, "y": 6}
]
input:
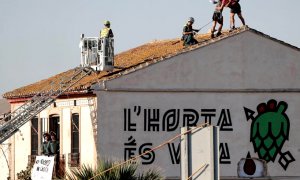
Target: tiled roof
[{"x": 130, "y": 61}]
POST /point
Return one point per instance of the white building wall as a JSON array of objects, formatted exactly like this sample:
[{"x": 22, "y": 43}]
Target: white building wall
[
  {"x": 88, "y": 155},
  {"x": 66, "y": 132},
  {"x": 219, "y": 79},
  {"x": 234, "y": 135},
  {"x": 245, "y": 61},
  {"x": 20, "y": 143},
  {"x": 4, "y": 159},
  {"x": 22, "y": 147}
]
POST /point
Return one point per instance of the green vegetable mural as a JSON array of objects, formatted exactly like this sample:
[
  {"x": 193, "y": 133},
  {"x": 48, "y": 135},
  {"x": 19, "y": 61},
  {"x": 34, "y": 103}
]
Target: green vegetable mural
[{"x": 269, "y": 131}]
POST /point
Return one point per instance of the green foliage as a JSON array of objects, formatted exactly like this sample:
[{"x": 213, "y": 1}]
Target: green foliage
[
  {"x": 84, "y": 172},
  {"x": 24, "y": 174},
  {"x": 125, "y": 172},
  {"x": 150, "y": 175}
]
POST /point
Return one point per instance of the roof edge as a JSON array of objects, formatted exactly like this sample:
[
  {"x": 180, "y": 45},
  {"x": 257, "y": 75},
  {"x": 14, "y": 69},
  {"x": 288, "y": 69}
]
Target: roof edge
[
  {"x": 147, "y": 62},
  {"x": 274, "y": 39}
]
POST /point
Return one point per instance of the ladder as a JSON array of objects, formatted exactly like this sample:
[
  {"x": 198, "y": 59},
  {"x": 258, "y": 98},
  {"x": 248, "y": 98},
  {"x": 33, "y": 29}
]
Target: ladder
[{"x": 16, "y": 119}]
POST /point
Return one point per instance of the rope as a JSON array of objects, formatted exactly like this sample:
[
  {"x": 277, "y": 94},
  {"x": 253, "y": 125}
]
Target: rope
[
  {"x": 204, "y": 165},
  {"x": 205, "y": 25},
  {"x": 153, "y": 149}
]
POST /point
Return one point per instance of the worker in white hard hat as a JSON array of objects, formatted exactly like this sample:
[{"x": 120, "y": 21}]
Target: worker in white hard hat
[
  {"x": 106, "y": 32},
  {"x": 188, "y": 33}
]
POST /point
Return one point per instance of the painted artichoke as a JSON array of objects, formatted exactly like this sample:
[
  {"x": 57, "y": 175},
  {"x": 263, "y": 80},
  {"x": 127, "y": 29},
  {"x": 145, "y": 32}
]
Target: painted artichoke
[{"x": 270, "y": 129}]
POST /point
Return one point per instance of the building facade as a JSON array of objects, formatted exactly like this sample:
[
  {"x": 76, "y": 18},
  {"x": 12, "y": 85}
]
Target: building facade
[
  {"x": 4, "y": 147},
  {"x": 245, "y": 82},
  {"x": 71, "y": 119}
]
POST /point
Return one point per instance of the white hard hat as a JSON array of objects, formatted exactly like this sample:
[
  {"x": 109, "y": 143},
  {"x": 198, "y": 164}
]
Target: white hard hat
[
  {"x": 191, "y": 19},
  {"x": 213, "y": 1}
]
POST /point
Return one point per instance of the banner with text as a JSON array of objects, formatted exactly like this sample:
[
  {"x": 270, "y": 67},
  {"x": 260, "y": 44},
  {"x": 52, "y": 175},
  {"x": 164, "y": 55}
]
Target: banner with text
[{"x": 43, "y": 168}]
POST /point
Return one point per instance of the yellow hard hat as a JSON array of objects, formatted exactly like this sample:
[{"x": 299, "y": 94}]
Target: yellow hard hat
[{"x": 106, "y": 23}]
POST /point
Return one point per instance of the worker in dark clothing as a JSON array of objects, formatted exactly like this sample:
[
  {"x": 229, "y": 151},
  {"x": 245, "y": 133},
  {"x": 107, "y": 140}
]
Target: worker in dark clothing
[
  {"x": 217, "y": 18},
  {"x": 54, "y": 144},
  {"x": 46, "y": 145},
  {"x": 106, "y": 32},
  {"x": 235, "y": 8},
  {"x": 188, "y": 33},
  {"x": 54, "y": 149}
]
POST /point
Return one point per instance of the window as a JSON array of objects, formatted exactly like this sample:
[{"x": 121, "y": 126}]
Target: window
[
  {"x": 54, "y": 125},
  {"x": 34, "y": 136},
  {"x": 75, "y": 133}
]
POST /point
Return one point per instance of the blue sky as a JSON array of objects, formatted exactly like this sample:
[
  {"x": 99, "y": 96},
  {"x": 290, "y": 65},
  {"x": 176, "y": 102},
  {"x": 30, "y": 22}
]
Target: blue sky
[{"x": 40, "y": 38}]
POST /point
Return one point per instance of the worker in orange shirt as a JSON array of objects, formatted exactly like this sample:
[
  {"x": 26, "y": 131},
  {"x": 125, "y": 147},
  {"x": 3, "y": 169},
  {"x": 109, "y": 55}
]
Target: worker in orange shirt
[{"x": 217, "y": 18}]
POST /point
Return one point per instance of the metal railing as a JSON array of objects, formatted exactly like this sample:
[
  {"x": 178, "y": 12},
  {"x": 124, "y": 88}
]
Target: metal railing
[{"x": 13, "y": 121}]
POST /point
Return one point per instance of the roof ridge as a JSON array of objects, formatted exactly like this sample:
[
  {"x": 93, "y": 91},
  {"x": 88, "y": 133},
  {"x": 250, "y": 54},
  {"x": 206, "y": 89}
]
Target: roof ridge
[
  {"x": 274, "y": 39},
  {"x": 137, "y": 58}
]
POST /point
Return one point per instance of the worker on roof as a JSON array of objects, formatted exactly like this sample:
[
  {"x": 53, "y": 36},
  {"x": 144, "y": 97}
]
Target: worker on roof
[
  {"x": 188, "y": 33},
  {"x": 106, "y": 32},
  {"x": 217, "y": 18},
  {"x": 235, "y": 8}
]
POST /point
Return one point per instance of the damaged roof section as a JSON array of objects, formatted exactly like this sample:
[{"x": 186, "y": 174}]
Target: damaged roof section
[{"x": 129, "y": 61}]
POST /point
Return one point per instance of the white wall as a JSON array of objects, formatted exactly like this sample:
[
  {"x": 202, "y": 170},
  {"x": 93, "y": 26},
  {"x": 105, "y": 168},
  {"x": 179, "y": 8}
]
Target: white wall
[
  {"x": 22, "y": 147},
  {"x": 112, "y": 134},
  {"x": 4, "y": 159},
  {"x": 66, "y": 133},
  {"x": 20, "y": 142},
  {"x": 245, "y": 61},
  {"x": 223, "y": 77},
  {"x": 88, "y": 155}
]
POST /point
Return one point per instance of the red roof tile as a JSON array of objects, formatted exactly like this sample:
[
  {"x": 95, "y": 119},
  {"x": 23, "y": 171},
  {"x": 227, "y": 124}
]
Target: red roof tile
[{"x": 126, "y": 61}]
